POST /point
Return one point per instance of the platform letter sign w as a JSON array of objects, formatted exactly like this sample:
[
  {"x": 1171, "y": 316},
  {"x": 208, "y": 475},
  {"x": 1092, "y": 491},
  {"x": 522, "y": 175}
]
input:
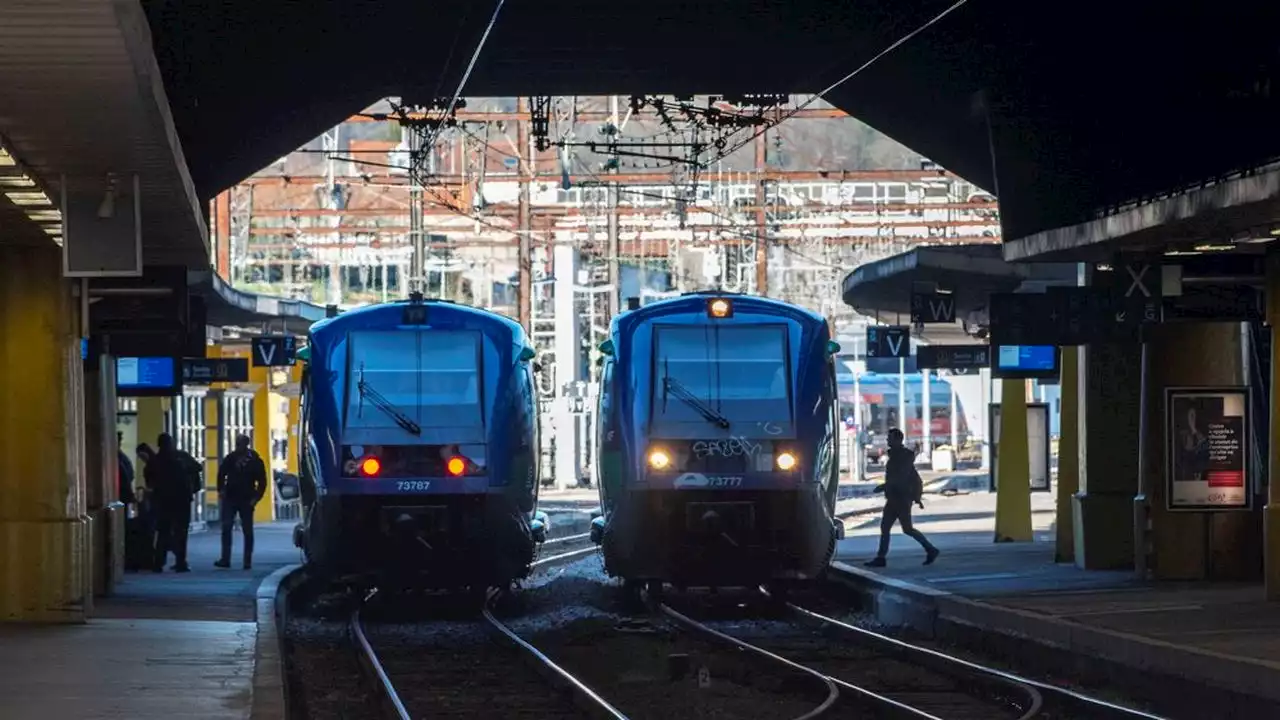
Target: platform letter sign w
[{"x": 929, "y": 308}]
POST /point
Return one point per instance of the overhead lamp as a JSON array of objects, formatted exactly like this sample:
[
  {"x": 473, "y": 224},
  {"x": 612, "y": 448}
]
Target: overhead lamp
[
  {"x": 27, "y": 198},
  {"x": 16, "y": 181},
  {"x": 45, "y": 215},
  {"x": 6, "y": 160},
  {"x": 1214, "y": 248}
]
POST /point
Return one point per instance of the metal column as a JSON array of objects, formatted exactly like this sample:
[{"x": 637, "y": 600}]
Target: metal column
[{"x": 568, "y": 370}]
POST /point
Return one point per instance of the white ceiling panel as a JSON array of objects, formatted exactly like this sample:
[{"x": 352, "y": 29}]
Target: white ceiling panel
[{"x": 81, "y": 95}]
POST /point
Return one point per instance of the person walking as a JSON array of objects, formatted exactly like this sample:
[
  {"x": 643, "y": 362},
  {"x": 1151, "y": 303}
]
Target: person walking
[
  {"x": 902, "y": 488},
  {"x": 242, "y": 483}
]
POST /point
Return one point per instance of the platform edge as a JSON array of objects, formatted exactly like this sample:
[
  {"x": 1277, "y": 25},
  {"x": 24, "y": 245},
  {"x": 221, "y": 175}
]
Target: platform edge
[
  {"x": 270, "y": 699},
  {"x": 929, "y": 611}
]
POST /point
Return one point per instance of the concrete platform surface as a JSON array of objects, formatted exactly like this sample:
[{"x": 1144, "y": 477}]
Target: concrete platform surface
[
  {"x": 167, "y": 645},
  {"x": 1224, "y": 636}
]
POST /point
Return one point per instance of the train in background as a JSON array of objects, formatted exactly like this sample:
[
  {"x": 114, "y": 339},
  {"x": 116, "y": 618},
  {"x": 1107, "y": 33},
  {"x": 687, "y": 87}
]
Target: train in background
[
  {"x": 718, "y": 458},
  {"x": 419, "y": 440}
]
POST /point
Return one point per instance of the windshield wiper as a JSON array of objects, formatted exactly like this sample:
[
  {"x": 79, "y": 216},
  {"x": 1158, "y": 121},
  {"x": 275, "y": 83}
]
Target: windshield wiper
[
  {"x": 377, "y": 400},
  {"x": 675, "y": 387}
]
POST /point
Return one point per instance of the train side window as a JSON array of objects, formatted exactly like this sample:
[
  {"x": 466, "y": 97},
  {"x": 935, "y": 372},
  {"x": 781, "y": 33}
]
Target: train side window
[{"x": 604, "y": 407}]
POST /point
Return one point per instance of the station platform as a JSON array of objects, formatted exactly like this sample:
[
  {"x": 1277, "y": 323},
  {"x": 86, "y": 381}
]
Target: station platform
[
  {"x": 167, "y": 645},
  {"x": 1190, "y": 644}
]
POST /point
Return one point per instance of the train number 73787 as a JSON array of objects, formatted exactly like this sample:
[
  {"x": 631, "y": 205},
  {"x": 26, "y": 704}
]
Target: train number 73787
[{"x": 412, "y": 485}]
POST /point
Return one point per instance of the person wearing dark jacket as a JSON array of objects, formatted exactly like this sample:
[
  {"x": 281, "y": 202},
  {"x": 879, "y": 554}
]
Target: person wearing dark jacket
[
  {"x": 172, "y": 480},
  {"x": 242, "y": 482},
  {"x": 124, "y": 474},
  {"x": 902, "y": 488}
]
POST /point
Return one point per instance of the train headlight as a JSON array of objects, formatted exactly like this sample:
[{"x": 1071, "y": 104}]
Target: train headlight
[
  {"x": 719, "y": 308},
  {"x": 456, "y": 466},
  {"x": 659, "y": 459},
  {"x": 370, "y": 467},
  {"x": 785, "y": 461}
]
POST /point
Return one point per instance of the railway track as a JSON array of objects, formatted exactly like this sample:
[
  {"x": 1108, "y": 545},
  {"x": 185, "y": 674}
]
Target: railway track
[
  {"x": 879, "y": 676},
  {"x": 475, "y": 670}
]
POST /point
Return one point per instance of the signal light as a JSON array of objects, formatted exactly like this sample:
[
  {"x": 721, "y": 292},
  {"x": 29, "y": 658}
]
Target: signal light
[
  {"x": 785, "y": 461},
  {"x": 659, "y": 459},
  {"x": 456, "y": 466},
  {"x": 719, "y": 308},
  {"x": 370, "y": 467}
]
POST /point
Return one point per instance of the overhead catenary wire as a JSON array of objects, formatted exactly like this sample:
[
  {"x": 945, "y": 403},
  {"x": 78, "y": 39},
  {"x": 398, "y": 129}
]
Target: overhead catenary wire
[{"x": 849, "y": 76}]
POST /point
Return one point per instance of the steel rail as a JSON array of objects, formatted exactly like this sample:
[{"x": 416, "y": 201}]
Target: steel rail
[
  {"x": 943, "y": 662},
  {"x": 833, "y": 691}
]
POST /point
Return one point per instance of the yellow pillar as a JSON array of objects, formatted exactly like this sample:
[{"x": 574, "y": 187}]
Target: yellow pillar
[
  {"x": 1013, "y": 466},
  {"x": 44, "y": 526},
  {"x": 1271, "y": 546},
  {"x": 295, "y": 408},
  {"x": 150, "y": 425},
  {"x": 1068, "y": 455},
  {"x": 260, "y": 378}
]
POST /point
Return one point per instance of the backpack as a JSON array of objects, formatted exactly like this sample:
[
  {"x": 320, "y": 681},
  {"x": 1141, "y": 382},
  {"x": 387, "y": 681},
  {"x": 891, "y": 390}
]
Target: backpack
[
  {"x": 192, "y": 470},
  {"x": 242, "y": 475}
]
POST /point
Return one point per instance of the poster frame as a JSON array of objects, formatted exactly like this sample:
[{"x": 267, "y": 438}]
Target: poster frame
[
  {"x": 993, "y": 410},
  {"x": 1170, "y": 393}
]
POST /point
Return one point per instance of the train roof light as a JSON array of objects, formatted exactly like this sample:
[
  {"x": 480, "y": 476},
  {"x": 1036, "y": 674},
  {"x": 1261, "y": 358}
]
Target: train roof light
[
  {"x": 370, "y": 467},
  {"x": 456, "y": 466},
  {"x": 719, "y": 308}
]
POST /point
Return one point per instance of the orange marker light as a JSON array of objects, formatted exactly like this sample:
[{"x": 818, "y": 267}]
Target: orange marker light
[
  {"x": 370, "y": 466},
  {"x": 719, "y": 308},
  {"x": 456, "y": 466}
]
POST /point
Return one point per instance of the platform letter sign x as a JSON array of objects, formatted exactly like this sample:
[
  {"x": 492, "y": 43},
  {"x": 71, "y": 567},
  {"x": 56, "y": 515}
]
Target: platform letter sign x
[{"x": 1137, "y": 273}]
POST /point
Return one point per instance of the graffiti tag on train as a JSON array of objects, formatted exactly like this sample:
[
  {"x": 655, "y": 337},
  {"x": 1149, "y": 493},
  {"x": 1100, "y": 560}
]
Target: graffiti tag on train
[{"x": 731, "y": 447}]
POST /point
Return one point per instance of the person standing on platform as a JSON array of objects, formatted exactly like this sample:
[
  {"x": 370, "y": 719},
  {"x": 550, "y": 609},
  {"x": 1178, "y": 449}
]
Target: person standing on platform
[
  {"x": 902, "y": 488},
  {"x": 169, "y": 476},
  {"x": 242, "y": 483}
]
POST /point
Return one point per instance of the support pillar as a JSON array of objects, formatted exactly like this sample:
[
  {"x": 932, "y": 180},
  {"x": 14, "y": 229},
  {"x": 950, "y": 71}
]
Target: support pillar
[
  {"x": 1271, "y": 543},
  {"x": 102, "y": 476},
  {"x": 260, "y": 379},
  {"x": 1194, "y": 545},
  {"x": 44, "y": 527},
  {"x": 1013, "y": 466},
  {"x": 294, "y": 419},
  {"x": 1068, "y": 456},
  {"x": 568, "y": 345},
  {"x": 1110, "y": 394}
]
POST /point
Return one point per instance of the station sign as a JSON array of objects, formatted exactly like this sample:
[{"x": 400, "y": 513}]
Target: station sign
[
  {"x": 275, "y": 351},
  {"x": 1136, "y": 293},
  {"x": 888, "y": 341},
  {"x": 932, "y": 308},
  {"x": 953, "y": 357},
  {"x": 204, "y": 371}
]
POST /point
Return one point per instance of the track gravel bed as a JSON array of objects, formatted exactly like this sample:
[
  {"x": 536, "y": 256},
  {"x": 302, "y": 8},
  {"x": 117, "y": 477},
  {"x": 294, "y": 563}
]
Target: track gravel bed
[{"x": 834, "y": 654}]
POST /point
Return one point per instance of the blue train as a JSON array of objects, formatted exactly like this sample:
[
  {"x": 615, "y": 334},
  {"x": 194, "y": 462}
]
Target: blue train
[
  {"x": 717, "y": 461},
  {"x": 419, "y": 441}
]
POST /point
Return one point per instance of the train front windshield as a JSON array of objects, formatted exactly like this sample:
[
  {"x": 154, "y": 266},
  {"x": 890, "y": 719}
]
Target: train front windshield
[
  {"x": 429, "y": 377},
  {"x": 739, "y": 373}
]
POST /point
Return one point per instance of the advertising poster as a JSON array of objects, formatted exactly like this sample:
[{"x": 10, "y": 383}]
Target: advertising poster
[{"x": 1206, "y": 449}]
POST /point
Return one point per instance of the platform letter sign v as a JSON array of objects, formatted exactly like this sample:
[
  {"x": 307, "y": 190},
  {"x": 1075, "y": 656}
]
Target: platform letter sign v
[
  {"x": 894, "y": 341},
  {"x": 1136, "y": 276},
  {"x": 267, "y": 352}
]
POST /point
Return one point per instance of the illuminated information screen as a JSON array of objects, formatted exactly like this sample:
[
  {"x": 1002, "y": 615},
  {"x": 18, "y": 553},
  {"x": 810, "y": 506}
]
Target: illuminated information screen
[{"x": 145, "y": 372}]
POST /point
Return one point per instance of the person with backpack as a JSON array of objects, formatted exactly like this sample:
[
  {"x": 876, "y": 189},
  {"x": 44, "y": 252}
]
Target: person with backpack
[
  {"x": 902, "y": 488},
  {"x": 173, "y": 478},
  {"x": 242, "y": 483}
]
